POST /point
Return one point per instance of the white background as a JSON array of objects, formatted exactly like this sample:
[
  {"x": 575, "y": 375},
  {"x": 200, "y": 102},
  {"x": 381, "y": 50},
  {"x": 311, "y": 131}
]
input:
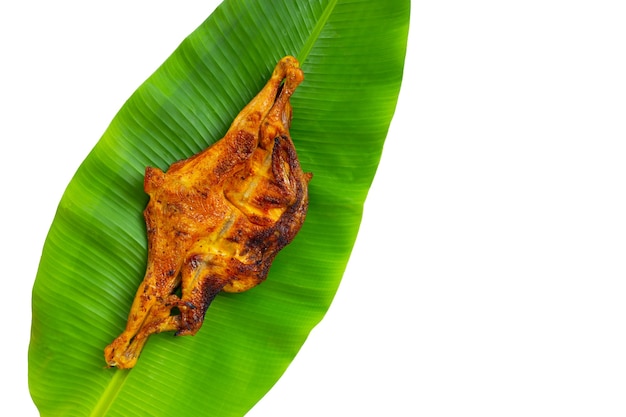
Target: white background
[{"x": 488, "y": 278}]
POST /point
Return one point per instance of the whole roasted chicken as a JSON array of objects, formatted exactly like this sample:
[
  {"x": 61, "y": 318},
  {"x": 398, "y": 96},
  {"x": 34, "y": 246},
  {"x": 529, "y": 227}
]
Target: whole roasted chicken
[{"x": 216, "y": 221}]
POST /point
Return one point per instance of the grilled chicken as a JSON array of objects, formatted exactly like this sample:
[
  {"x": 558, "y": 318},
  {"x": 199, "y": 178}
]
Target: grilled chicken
[{"x": 216, "y": 221}]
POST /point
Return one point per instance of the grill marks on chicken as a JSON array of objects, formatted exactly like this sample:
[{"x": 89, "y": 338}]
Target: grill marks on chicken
[{"x": 216, "y": 221}]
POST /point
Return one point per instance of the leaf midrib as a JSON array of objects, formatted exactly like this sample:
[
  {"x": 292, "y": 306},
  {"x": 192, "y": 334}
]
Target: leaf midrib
[
  {"x": 110, "y": 393},
  {"x": 114, "y": 387},
  {"x": 317, "y": 30}
]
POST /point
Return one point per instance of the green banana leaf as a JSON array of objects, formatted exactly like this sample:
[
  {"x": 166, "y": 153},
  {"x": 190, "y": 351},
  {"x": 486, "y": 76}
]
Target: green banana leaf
[{"x": 352, "y": 53}]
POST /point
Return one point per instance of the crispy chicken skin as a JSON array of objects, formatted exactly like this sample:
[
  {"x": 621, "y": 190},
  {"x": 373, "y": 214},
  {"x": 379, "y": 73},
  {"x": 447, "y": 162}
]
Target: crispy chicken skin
[{"x": 216, "y": 221}]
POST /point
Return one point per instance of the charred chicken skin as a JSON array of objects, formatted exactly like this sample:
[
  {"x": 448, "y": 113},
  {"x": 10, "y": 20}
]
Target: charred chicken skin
[{"x": 216, "y": 221}]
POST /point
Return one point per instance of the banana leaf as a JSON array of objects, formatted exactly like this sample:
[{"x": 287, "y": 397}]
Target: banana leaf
[{"x": 352, "y": 53}]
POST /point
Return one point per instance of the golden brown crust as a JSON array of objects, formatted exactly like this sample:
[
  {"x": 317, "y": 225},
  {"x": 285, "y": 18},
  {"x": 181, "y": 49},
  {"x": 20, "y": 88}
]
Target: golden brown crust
[{"x": 216, "y": 221}]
